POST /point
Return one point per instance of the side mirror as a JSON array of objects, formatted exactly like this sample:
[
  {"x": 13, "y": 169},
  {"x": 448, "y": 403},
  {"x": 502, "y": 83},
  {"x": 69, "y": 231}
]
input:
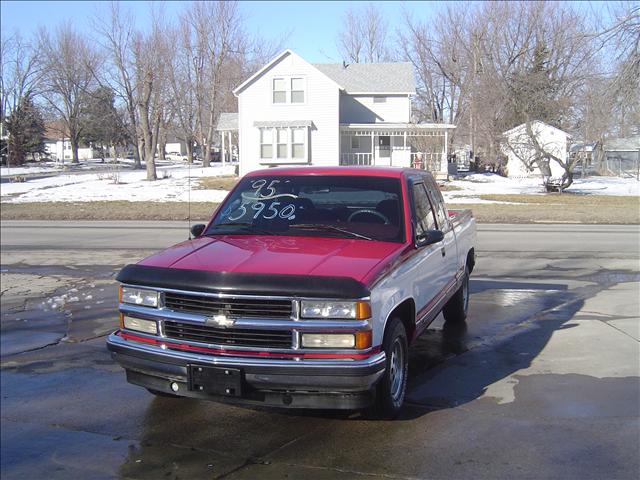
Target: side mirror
[
  {"x": 197, "y": 229},
  {"x": 429, "y": 237}
]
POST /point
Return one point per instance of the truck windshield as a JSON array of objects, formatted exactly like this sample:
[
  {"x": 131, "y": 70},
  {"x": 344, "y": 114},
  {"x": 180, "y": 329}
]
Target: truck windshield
[{"x": 368, "y": 208}]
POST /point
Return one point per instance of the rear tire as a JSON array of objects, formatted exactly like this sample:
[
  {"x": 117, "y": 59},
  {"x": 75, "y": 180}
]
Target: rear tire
[
  {"x": 455, "y": 311},
  {"x": 391, "y": 389}
]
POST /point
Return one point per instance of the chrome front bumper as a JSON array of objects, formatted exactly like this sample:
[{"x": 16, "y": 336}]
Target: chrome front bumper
[{"x": 275, "y": 382}]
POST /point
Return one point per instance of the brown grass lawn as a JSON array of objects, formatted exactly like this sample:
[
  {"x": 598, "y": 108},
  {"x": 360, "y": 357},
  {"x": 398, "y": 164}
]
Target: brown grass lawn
[
  {"x": 215, "y": 183},
  {"x": 558, "y": 208},
  {"x": 550, "y": 208}
]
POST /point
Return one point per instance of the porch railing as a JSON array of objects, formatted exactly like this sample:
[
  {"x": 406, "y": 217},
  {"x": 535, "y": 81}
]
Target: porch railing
[
  {"x": 426, "y": 161},
  {"x": 356, "y": 158}
]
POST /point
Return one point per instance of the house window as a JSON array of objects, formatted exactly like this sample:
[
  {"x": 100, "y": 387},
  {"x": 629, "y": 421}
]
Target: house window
[
  {"x": 355, "y": 142},
  {"x": 297, "y": 142},
  {"x": 282, "y": 143},
  {"x": 266, "y": 143},
  {"x": 297, "y": 90},
  {"x": 279, "y": 90},
  {"x": 379, "y": 99}
]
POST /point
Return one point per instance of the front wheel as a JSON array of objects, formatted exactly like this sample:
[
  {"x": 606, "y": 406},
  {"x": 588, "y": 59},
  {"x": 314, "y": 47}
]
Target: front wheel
[
  {"x": 455, "y": 311},
  {"x": 391, "y": 389}
]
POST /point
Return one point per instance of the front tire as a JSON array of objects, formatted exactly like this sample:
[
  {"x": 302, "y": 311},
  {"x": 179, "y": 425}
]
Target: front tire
[
  {"x": 455, "y": 311},
  {"x": 391, "y": 389}
]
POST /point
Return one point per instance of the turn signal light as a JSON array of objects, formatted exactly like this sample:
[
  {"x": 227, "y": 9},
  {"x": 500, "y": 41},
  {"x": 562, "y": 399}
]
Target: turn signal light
[
  {"x": 363, "y": 339},
  {"x": 363, "y": 310}
]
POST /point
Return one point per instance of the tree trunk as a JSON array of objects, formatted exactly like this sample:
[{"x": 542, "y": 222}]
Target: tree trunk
[
  {"x": 74, "y": 149},
  {"x": 190, "y": 151},
  {"x": 139, "y": 152}
]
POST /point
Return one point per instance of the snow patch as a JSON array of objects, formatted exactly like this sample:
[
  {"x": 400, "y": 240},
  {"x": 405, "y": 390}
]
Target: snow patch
[{"x": 172, "y": 186}]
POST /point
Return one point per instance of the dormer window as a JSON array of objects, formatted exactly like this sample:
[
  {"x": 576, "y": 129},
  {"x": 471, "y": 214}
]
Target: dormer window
[{"x": 289, "y": 90}]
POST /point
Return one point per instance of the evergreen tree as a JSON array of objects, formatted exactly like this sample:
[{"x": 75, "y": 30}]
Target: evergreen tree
[
  {"x": 26, "y": 131},
  {"x": 102, "y": 124}
]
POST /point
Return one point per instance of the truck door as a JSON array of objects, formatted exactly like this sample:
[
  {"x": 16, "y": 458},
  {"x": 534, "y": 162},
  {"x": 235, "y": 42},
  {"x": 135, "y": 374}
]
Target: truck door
[
  {"x": 430, "y": 272},
  {"x": 450, "y": 245}
]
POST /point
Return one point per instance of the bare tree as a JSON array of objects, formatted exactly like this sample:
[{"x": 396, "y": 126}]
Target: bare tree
[
  {"x": 68, "y": 62},
  {"x": 364, "y": 36},
  {"x": 20, "y": 75},
  {"x": 20, "y": 72},
  {"x": 212, "y": 51},
  {"x": 152, "y": 56},
  {"x": 116, "y": 35}
]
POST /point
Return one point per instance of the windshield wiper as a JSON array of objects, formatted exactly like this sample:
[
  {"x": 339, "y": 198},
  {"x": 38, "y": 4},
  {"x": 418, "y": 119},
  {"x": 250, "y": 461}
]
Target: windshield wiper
[
  {"x": 244, "y": 227},
  {"x": 313, "y": 226}
]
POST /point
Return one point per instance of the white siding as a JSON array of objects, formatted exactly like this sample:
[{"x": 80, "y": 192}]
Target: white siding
[
  {"x": 321, "y": 107},
  {"x": 363, "y": 109}
]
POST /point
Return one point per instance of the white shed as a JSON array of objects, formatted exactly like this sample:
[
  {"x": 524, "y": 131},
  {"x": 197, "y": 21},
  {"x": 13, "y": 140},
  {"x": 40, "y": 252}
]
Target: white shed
[{"x": 521, "y": 152}]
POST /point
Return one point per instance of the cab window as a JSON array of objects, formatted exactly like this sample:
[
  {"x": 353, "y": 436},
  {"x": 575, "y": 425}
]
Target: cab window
[{"x": 425, "y": 219}]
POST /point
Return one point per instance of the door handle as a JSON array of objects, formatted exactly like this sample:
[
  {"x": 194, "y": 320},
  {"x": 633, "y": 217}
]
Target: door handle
[{"x": 443, "y": 251}]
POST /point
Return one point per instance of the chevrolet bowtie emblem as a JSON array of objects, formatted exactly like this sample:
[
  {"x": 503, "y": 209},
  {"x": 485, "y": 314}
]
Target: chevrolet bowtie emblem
[{"x": 220, "y": 321}]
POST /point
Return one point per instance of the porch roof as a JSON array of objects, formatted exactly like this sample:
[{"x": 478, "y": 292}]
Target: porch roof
[
  {"x": 397, "y": 129},
  {"x": 397, "y": 126},
  {"x": 228, "y": 121},
  {"x": 282, "y": 123}
]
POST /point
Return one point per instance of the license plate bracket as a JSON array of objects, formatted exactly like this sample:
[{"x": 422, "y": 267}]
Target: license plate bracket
[{"x": 215, "y": 380}]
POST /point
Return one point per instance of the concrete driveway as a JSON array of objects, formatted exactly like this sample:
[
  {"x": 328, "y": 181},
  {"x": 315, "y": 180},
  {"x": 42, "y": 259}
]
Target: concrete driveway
[{"x": 542, "y": 382}]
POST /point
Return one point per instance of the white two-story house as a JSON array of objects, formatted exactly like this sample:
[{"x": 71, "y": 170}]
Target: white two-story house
[{"x": 292, "y": 112}]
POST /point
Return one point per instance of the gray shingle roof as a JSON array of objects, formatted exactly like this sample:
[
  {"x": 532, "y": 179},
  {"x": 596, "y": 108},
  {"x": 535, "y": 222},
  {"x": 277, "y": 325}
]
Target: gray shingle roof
[
  {"x": 371, "y": 77},
  {"x": 629, "y": 144},
  {"x": 228, "y": 121}
]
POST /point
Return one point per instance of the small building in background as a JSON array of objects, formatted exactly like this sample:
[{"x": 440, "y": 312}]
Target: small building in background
[
  {"x": 58, "y": 146},
  {"x": 621, "y": 157},
  {"x": 526, "y": 155}
]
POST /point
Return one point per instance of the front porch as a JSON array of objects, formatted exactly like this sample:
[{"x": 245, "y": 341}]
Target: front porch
[{"x": 423, "y": 146}]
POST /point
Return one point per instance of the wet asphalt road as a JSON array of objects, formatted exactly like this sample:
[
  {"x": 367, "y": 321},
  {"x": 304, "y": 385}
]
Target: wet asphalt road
[{"x": 542, "y": 382}]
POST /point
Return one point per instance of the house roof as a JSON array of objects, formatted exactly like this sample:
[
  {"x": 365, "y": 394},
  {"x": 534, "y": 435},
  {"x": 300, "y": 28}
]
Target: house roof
[
  {"x": 56, "y": 130},
  {"x": 629, "y": 144},
  {"x": 371, "y": 77},
  {"x": 363, "y": 78},
  {"x": 535, "y": 123},
  {"x": 227, "y": 121},
  {"x": 265, "y": 68}
]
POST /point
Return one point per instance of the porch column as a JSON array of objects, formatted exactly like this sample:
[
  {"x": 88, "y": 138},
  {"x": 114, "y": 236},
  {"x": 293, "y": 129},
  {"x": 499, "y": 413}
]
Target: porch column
[
  {"x": 222, "y": 135},
  {"x": 373, "y": 150},
  {"x": 445, "y": 161},
  {"x": 230, "y": 147},
  {"x": 405, "y": 154}
]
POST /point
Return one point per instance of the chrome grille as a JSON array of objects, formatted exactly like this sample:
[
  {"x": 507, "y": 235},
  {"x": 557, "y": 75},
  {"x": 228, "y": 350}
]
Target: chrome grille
[
  {"x": 230, "y": 307},
  {"x": 241, "y": 337}
]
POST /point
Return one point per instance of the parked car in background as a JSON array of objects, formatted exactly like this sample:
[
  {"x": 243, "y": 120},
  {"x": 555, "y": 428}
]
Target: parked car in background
[
  {"x": 176, "y": 157},
  {"x": 305, "y": 290}
]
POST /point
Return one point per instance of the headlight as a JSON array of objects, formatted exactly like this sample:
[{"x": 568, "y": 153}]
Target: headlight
[
  {"x": 339, "y": 310},
  {"x": 140, "y": 325},
  {"x": 138, "y": 296}
]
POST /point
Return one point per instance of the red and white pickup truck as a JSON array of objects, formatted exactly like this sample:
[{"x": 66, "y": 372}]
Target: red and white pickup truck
[{"x": 305, "y": 290}]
